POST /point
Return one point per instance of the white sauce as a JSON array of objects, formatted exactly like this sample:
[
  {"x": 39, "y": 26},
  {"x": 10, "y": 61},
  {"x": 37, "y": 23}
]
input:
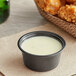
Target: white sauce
[{"x": 41, "y": 45}]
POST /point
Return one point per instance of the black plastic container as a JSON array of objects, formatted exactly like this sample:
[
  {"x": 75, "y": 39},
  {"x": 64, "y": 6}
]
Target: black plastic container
[{"x": 41, "y": 62}]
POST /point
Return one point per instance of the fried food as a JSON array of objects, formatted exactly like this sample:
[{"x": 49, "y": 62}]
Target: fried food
[
  {"x": 50, "y": 6},
  {"x": 65, "y": 9},
  {"x": 68, "y": 13},
  {"x": 41, "y": 3},
  {"x": 71, "y": 1}
]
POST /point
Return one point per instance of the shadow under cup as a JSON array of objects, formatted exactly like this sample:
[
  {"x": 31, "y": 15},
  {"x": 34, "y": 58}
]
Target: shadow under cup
[{"x": 41, "y": 62}]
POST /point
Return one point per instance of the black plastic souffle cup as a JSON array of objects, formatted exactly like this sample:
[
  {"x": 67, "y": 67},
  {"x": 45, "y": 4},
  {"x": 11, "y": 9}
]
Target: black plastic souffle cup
[{"x": 41, "y": 63}]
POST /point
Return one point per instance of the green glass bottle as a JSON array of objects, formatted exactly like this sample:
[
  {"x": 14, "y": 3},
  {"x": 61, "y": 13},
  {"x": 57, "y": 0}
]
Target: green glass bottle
[{"x": 4, "y": 10}]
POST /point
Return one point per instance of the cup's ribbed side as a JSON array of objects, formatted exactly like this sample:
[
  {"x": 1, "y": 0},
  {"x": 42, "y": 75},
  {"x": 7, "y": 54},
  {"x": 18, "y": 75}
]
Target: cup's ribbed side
[{"x": 68, "y": 27}]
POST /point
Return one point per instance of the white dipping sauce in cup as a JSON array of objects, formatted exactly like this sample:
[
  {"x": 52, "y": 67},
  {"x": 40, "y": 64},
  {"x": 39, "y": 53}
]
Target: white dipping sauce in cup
[{"x": 41, "y": 45}]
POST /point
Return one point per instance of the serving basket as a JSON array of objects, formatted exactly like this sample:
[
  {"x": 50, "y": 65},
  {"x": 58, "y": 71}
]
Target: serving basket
[{"x": 66, "y": 26}]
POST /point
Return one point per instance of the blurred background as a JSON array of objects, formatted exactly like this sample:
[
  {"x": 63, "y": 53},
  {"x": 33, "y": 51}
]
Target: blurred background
[{"x": 23, "y": 15}]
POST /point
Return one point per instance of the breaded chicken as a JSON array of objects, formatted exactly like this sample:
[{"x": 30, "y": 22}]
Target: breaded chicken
[
  {"x": 41, "y": 3},
  {"x": 52, "y": 6},
  {"x": 49, "y": 6},
  {"x": 71, "y": 1},
  {"x": 68, "y": 13}
]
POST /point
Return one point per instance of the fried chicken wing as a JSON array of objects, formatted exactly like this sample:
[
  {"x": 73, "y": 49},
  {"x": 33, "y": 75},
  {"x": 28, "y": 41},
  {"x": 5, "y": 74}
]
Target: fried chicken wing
[
  {"x": 50, "y": 6},
  {"x": 68, "y": 13}
]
